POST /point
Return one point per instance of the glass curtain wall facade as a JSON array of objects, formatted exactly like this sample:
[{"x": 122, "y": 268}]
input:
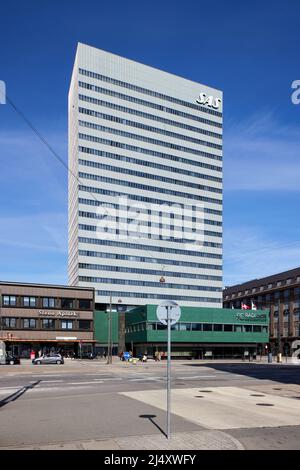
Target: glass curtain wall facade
[{"x": 145, "y": 183}]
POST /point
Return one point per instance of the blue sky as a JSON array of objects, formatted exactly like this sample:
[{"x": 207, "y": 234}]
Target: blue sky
[{"x": 250, "y": 50}]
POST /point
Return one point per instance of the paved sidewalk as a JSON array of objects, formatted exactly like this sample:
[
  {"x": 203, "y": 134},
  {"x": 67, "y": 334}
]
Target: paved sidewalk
[{"x": 199, "y": 440}]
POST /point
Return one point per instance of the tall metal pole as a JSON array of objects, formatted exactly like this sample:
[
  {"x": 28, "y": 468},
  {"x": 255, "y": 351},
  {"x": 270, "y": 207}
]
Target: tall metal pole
[
  {"x": 169, "y": 376},
  {"x": 109, "y": 358},
  {"x": 279, "y": 328}
]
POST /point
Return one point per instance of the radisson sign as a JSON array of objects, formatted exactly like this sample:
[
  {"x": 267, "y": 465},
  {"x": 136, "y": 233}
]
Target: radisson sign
[{"x": 251, "y": 316}]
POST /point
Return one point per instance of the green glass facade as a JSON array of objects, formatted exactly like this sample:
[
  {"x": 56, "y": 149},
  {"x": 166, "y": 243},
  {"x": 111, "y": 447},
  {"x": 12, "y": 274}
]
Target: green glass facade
[
  {"x": 101, "y": 329},
  {"x": 201, "y": 332}
]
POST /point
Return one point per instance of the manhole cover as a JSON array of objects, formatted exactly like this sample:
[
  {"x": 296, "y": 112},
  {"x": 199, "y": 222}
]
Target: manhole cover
[
  {"x": 199, "y": 396},
  {"x": 277, "y": 388},
  {"x": 205, "y": 391},
  {"x": 264, "y": 404},
  {"x": 256, "y": 395}
]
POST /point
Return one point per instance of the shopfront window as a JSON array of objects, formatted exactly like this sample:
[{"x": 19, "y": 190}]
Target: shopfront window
[
  {"x": 228, "y": 327},
  {"x": 207, "y": 327},
  {"x": 197, "y": 326},
  {"x": 218, "y": 327},
  {"x": 248, "y": 328},
  {"x": 29, "y": 323},
  {"x": 67, "y": 324},
  {"x": 184, "y": 326},
  {"x": 256, "y": 329}
]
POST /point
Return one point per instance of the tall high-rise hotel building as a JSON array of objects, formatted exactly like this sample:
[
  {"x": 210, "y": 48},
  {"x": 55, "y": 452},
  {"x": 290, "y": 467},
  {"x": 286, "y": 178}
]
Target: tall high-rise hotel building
[{"x": 145, "y": 183}]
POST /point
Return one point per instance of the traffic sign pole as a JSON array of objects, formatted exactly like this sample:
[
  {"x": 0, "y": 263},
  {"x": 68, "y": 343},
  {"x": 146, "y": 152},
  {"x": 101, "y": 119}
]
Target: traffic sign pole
[
  {"x": 168, "y": 313},
  {"x": 169, "y": 376}
]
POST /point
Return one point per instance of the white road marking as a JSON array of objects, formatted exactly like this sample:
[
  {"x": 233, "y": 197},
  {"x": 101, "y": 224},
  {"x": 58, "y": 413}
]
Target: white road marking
[
  {"x": 45, "y": 375},
  {"x": 11, "y": 387},
  {"x": 81, "y": 383},
  {"x": 140, "y": 379},
  {"x": 113, "y": 378},
  {"x": 57, "y": 389},
  {"x": 51, "y": 381},
  {"x": 191, "y": 377},
  {"x": 6, "y": 390}
]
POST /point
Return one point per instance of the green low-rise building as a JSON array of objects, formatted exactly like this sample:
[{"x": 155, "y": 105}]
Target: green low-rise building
[{"x": 200, "y": 332}]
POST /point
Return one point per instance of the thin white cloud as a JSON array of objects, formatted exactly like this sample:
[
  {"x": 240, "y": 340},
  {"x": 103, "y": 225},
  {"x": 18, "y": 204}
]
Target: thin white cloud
[
  {"x": 250, "y": 254},
  {"x": 47, "y": 232},
  {"x": 24, "y": 154},
  {"x": 260, "y": 154}
]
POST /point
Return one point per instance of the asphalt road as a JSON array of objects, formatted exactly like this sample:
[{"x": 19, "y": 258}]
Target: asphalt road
[{"x": 258, "y": 404}]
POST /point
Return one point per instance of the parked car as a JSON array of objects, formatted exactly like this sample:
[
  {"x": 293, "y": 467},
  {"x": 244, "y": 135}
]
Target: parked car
[
  {"x": 11, "y": 360},
  {"x": 48, "y": 359}
]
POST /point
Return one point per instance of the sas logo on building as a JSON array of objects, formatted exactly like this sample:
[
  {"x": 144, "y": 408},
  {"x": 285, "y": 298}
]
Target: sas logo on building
[{"x": 209, "y": 100}]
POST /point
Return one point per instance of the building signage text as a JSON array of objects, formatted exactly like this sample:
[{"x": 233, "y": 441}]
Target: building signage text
[
  {"x": 60, "y": 313},
  {"x": 209, "y": 100},
  {"x": 251, "y": 316}
]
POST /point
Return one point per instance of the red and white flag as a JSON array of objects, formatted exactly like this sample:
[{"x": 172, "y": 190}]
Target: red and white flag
[{"x": 245, "y": 307}]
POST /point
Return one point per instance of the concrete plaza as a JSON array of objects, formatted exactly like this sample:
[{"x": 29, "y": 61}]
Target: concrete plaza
[{"x": 92, "y": 405}]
